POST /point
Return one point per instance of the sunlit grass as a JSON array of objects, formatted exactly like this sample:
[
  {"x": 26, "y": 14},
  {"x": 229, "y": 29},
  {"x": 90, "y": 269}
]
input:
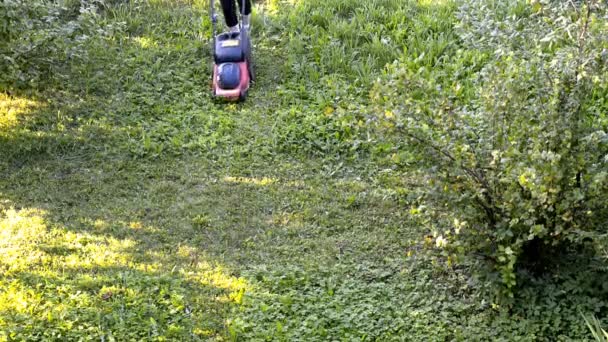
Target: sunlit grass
[
  {"x": 13, "y": 109},
  {"x": 272, "y": 7},
  {"x": 287, "y": 219},
  {"x": 249, "y": 180},
  {"x": 52, "y": 274},
  {"x": 428, "y": 3},
  {"x": 145, "y": 42}
]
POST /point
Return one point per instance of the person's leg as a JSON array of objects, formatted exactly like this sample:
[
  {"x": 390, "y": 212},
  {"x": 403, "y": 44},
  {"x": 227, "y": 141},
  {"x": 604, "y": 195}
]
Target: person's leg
[{"x": 230, "y": 14}]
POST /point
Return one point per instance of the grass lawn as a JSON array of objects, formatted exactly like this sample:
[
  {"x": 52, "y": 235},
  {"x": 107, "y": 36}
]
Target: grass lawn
[{"x": 134, "y": 207}]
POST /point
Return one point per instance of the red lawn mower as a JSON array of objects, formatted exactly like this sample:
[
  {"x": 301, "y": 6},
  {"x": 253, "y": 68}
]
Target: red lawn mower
[{"x": 232, "y": 69}]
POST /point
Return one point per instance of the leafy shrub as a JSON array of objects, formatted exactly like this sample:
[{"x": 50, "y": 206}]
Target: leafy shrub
[
  {"x": 39, "y": 38},
  {"x": 511, "y": 128}
]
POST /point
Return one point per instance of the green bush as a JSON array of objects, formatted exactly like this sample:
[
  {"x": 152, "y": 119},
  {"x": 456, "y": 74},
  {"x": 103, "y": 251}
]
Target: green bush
[
  {"x": 39, "y": 39},
  {"x": 511, "y": 128}
]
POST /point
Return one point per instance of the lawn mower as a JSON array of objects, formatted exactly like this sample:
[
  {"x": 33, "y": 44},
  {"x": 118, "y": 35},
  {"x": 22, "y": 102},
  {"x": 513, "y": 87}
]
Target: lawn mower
[{"x": 232, "y": 67}]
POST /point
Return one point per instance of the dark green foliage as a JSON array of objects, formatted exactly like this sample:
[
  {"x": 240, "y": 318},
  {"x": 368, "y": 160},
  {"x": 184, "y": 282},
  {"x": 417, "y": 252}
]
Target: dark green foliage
[{"x": 39, "y": 40}]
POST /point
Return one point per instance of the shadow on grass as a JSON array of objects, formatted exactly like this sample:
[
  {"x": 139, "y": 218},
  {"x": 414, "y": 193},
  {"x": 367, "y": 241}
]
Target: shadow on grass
[
  {"x": 62, "y": 279},
  {"x": 101, "y": 302},
  {"x": 115, "y": 232},
  {"x": 118, "y": 249},
  {"x": 107, "y": 259}
]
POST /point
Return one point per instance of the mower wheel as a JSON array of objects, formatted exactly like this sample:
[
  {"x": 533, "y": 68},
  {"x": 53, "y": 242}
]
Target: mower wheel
[
  {"x": 251, "y": 69},
  {"x": 243, "y": 96}
]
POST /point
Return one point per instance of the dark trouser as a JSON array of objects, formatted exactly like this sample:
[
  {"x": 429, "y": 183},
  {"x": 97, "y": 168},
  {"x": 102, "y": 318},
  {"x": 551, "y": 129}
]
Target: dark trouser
[{"x": 230, "y": 10}]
